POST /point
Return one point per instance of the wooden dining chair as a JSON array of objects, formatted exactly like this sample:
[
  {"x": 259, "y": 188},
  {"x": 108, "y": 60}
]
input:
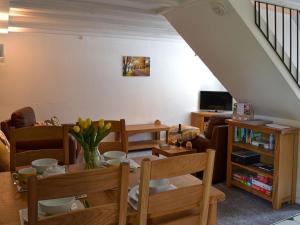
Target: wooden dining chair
[
  {"x": 79, "y": 183},
  {"x": 173, "y": 202},
  {"x": 120, "y": 141},
  {"x": 39, "y": 133}
]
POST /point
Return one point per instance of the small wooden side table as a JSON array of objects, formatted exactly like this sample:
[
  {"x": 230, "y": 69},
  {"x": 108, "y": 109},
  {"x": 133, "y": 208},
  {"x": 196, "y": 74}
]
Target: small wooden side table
[
  {"x": 171, "y": 151},
  {"x": 146, "y": 128}
]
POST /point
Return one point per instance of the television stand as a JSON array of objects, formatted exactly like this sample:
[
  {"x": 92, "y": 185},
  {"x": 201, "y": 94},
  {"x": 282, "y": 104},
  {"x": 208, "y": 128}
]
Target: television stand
[{"x": 200, "y": 118}]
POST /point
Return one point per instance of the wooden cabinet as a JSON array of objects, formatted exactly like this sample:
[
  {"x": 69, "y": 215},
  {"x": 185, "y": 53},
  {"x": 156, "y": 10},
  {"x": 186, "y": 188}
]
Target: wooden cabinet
[
  {"x": 199, "y": 119},
  {"x": 283, "y": 158}
]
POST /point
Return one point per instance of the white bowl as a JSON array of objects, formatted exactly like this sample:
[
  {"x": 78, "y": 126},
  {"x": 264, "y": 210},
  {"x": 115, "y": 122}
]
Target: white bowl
[
  {"x": 114, "y": 162},
  {"x": 158, "y": 183},
  {"x": 42, "y": 164},
  {"x": 114, "y": 155},
  {"x": 55, "y": 206}
]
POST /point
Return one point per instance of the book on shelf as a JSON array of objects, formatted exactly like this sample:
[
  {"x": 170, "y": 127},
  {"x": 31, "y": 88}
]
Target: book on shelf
[
  {"x": 257, "y": 182},
  {"x": 256, "y": 138},
  {"x": 262, "y": 190},
  {"x": 264, "y": 167}
]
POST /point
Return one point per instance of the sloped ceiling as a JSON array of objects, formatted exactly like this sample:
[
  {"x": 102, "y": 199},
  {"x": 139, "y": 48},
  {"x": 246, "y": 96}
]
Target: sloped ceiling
[
  {"x": 235, "y": 56},
  {"x": 139, "y": 18}
]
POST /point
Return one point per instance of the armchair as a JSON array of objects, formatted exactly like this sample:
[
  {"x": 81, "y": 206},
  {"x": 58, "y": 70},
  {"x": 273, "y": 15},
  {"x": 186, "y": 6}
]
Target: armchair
[
  {"x": 215, "y": 137},
  {"x": 25, "y": 117}
]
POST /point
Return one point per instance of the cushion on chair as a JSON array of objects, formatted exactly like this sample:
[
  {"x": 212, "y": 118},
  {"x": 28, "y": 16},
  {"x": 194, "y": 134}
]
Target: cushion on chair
[
  {"x": 24, "y": 117},
  {"x": 213, "y": 121},
  {"x": 188, "y": 133},
  {"x": 4, "y": 153},
  {"x": 53, "y": 121}
]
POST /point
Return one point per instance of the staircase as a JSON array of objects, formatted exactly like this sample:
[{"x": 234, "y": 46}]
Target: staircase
[
  {"x": 223, "y": 33},
  {"x": 280, "y": 27}
]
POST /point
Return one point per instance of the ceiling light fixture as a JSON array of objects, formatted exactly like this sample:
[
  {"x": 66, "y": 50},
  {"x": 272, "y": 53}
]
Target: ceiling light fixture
[
  {"x": 4, "y": 16},
  {"x": 219, "y": 7},
  {"x": 3, "y": 31}
]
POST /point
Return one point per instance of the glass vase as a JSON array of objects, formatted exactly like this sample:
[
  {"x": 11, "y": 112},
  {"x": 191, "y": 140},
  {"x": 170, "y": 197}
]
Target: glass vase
[{"x": 91, "y": 157}]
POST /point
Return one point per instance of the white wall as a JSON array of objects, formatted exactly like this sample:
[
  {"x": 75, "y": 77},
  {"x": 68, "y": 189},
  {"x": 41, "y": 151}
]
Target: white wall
[{"x": 69, "y": 77}]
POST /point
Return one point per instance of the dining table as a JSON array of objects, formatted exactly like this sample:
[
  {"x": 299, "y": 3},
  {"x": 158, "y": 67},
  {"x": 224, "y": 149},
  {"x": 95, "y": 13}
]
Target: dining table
[{"x": 11, "y": 201}]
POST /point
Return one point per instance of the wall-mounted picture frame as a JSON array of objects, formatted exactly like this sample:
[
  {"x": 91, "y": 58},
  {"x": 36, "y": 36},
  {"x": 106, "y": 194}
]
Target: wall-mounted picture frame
[{"x": 136, "y": 66}]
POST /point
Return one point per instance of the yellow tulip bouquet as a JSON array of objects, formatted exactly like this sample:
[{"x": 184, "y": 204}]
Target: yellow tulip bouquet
[{"x": 89, "y": 134}]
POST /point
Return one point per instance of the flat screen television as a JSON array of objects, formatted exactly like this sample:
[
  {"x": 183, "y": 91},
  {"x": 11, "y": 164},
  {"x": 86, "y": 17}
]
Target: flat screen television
[{"x": 215, "y": 101}]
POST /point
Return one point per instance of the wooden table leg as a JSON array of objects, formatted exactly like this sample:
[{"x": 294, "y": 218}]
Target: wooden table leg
[
  {"x": 212, "y": 214},
  {"x": 167, "y": 136},
  {"x": 154, "y": 153},
  {"x": 156, "y": 135}
]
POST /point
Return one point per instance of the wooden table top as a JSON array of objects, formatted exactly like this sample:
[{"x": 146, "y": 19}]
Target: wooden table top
[
  {"x": 143, "y": 128},
  {"x": 172, "y": 151},
  {"x": 12, "y": 201},
  {"x": 262, "y": 128}
]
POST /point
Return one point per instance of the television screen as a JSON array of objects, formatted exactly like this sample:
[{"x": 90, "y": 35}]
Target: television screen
[{"x": 215, "y": 100}]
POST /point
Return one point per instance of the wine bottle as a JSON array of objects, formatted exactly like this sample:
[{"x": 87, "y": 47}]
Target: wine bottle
[{"x": 179, "y": 136}]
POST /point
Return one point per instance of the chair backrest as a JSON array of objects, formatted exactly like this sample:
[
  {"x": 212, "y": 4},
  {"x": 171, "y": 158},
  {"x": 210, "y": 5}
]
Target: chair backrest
[
  {"x": 78, "y": 183},
  {"x": 180, "y": 199},
  {"x": 120, "y": 142},
  {"x": 38, "y": 133}
]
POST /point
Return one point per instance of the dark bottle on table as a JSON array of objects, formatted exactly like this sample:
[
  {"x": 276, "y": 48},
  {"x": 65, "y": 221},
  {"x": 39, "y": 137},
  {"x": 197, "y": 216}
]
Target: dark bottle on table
[{"x": 179, "y": 136}]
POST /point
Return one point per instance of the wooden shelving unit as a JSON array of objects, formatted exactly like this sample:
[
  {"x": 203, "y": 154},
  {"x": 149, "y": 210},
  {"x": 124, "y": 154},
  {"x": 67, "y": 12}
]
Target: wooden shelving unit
[
  {"x": 146, "y": 128},
  {"x": 283, "y": 158}
]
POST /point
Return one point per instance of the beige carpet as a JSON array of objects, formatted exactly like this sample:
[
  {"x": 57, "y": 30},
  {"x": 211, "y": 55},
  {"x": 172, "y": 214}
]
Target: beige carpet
[{"x": 243, "y": 208}]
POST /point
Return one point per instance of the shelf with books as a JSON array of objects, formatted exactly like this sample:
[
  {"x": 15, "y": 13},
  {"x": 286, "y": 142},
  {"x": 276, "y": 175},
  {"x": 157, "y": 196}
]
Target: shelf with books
[
  {"x": 253, "y": 148},
  {"x": 265, "y": 141},
  {"x": 251, "y": 190},
  {"x": 273, "y": 147},
  {"x": 253, "y": 169}
]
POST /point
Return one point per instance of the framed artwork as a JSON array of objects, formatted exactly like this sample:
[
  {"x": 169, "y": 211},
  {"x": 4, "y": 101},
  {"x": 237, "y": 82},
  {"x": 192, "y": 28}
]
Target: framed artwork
[{"x": 136, "y": 66}]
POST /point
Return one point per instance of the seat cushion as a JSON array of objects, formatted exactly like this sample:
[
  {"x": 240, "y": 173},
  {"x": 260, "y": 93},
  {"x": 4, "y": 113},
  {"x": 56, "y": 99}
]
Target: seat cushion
[
  {"x": 213, "y": 121},
  {"x": 24, "y": 117},
  {"x": 188, "y": 133}
]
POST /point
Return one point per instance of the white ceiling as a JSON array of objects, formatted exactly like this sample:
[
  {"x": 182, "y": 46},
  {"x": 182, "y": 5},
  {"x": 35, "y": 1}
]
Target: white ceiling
[{"x": 139, "y": 18}]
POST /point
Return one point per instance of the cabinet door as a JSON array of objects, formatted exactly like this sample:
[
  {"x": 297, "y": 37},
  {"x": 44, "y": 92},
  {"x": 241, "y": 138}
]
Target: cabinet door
[{"x": 197, "y": 121}]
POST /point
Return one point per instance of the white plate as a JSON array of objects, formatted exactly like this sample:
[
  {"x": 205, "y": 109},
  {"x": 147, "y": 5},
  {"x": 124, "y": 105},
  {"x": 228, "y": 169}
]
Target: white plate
[
  {"x": 24, "y": 212},
  {"x": 56, "y": 170},
  {"x": 55, "y": 206}
]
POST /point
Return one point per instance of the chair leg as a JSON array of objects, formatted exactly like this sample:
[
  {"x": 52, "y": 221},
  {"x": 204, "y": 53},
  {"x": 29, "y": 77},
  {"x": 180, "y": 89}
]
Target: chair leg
[{"x": 212, "y": 214}]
